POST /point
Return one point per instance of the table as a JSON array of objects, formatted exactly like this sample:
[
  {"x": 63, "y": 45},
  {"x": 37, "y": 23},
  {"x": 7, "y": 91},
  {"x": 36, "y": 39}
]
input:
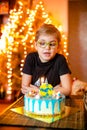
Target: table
[{"x": 74, "y": 121}]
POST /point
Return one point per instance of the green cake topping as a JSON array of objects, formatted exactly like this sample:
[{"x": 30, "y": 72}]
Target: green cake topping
[{"x": 46, "y": 90}]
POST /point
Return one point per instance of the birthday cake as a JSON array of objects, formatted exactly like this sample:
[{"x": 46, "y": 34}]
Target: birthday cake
[{"x": 46, "y": 102}]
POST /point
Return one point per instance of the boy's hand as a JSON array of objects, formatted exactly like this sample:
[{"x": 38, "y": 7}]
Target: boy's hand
[{"x": 31, "y": 89}]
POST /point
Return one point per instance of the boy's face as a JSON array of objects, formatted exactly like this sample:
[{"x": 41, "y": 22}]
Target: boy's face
[{"x": 46, "y": 47}]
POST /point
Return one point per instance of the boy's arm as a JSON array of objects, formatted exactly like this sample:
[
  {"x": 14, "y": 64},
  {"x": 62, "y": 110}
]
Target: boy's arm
[
  {"x": 66, "y": 85},
  {"x": 26, "y": 84},
  {"x": 26, "y": 80}
]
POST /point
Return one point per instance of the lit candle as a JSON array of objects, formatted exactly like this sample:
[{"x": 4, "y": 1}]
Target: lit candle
[{"x": 42, "y": 79}]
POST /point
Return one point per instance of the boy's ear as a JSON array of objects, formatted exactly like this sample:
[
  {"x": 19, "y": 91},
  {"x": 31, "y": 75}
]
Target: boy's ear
[{"x": 59, "y": 47}]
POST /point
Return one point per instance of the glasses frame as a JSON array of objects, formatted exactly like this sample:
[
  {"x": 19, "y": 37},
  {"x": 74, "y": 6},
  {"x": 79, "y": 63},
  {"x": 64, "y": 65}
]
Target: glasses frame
[{"x": 46, "y": 44}]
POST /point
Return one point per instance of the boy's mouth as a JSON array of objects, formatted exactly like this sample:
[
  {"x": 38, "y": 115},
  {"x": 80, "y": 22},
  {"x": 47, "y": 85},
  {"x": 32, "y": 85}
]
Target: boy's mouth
[{"x": 47, "y": 53}]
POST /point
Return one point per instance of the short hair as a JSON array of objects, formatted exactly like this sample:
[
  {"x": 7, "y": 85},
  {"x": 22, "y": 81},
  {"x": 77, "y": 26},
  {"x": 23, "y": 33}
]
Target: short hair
[{"x": 48, "y": 29}]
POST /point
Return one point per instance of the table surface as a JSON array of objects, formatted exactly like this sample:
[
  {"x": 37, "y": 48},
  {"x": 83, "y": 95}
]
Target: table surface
[{"x": 73, "y": 121}]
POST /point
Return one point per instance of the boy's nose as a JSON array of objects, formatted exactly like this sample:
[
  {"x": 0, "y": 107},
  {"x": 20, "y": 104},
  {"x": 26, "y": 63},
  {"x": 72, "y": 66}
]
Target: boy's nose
[{"x": 47, "y": 46}]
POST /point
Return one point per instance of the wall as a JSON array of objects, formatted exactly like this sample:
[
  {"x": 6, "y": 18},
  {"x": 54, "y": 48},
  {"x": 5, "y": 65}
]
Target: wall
[
  {"x": 78, "y": 38},
  {"x": 58, "y": 9}
]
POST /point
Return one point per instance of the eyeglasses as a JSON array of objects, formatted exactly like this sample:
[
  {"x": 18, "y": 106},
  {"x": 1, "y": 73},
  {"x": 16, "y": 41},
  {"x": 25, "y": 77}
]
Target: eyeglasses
[{"x": 43, "y": 44}]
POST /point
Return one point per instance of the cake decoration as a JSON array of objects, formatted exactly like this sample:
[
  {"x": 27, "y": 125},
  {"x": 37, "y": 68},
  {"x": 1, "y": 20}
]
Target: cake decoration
[
  {"x": 46, "y": 90},
  {"x": 46, "y": 102}
]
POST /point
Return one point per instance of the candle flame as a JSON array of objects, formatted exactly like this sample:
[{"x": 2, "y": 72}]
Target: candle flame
[{"x": 42, "y": 80}]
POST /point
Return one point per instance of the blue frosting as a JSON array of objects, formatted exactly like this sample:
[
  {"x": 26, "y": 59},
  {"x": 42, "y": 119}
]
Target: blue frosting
[{"x": 53, "y": 101}]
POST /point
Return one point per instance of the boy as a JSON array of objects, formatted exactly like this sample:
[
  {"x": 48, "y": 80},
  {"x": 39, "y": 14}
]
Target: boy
[{"x": 47, "y": 63}]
